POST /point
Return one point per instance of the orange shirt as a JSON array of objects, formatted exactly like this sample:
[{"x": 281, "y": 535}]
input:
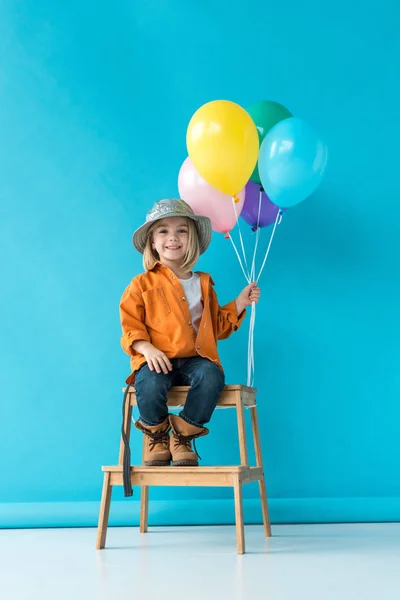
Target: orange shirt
[{"x": 154, "y": 308}]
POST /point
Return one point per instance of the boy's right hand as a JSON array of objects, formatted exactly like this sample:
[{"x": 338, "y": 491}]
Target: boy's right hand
[{"x": 156, "y": 359}]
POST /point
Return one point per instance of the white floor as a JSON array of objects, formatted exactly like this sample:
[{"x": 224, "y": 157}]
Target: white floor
[{"x": 341, "y": 562}]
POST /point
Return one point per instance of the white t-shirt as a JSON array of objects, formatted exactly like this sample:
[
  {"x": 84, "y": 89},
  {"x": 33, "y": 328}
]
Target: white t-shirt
[{"x": 192, "y": 290}]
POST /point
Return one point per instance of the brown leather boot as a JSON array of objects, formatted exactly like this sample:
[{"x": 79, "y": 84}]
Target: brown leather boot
[
  {"x": 156, "y": 451},
  {"x": 180, "y": 442}
]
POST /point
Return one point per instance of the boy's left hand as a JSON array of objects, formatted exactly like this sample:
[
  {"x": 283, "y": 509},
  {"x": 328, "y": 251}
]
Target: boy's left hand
[{"x": 251, "y": 293}]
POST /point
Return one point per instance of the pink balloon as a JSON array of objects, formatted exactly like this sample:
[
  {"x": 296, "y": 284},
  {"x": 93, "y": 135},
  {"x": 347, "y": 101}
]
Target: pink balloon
[{"x": 206, "y": 200}]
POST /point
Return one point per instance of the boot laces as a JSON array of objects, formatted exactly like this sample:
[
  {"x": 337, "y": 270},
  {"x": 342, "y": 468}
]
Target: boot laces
[
  {"x": 158, "y": 438},
  {"x": 186, "y": 440}
]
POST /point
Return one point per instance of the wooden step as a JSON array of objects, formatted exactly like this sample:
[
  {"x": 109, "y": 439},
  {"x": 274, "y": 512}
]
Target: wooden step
[
  {"x": 186, "y": 476},
  {"x": 177, "y": 395}
]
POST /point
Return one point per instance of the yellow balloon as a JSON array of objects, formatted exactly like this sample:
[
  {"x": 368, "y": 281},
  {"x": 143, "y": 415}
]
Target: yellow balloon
[{"x": 222, "y": 142}]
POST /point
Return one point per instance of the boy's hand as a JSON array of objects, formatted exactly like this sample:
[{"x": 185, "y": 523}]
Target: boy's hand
[
  {"x": 156, "y": 359},
  {"x": 251, "y": 293}
]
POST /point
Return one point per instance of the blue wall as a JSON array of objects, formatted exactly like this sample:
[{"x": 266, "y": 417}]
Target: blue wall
[{"x": 95, "y": 99}]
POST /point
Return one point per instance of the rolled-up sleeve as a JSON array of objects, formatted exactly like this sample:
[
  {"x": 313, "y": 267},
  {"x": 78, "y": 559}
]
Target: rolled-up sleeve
[{"x": 132, "y": 314}]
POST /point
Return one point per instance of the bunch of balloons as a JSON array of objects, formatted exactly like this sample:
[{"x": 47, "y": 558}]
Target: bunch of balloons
[{"x": 239, "y": 154}]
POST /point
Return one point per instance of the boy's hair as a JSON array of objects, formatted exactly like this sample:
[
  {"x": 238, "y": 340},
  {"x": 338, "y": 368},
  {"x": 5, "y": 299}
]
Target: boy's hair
[{"x": 150, "y": 256}]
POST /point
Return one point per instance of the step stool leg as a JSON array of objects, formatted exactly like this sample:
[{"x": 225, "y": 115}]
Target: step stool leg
[
  {"x": 259, "y": 462},
  {"x": 144, "y": 509},
  {"x": 104, "y": 512},
  {"x": 237, "y": 486},
  {"x": 144, "y": 500},
  {"x": 244, "y": 460},
  {"x": 264, "y": 507}
]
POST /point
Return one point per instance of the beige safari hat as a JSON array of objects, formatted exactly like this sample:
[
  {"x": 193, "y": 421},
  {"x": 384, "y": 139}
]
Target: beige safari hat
[{"x": 173, "y": 207}]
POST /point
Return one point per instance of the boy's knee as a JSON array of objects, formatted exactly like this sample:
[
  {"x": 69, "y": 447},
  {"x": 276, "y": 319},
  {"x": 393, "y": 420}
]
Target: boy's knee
[
  {"x": 210, "y": 375},
  {"x": 219, "y": 378},
  {"x": 151, "y": 381}
]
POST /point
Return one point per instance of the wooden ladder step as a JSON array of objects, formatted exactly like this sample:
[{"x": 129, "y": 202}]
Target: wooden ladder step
[
  {"x": 185, "y": 476},
  {"x": 177, "y": 396}
]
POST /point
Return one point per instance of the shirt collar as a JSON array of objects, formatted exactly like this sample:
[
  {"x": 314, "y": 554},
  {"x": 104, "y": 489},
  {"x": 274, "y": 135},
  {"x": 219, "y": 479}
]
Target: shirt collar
[{"x": 159, "y": 265}]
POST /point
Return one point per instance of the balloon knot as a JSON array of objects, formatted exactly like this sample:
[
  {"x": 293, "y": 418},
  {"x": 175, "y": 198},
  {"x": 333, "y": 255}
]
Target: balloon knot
[
  {"x": 226, "y": 236},
  {"x": 236, "y": 199}
]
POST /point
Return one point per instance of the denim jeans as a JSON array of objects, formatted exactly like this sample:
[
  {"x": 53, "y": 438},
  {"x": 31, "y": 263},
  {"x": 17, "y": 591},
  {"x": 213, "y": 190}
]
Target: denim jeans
[{"x": 206, "y": 381}]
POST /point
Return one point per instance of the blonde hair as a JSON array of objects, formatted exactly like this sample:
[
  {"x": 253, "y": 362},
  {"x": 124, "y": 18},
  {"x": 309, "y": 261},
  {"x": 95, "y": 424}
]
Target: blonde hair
[{"x": 151, "y": 257}]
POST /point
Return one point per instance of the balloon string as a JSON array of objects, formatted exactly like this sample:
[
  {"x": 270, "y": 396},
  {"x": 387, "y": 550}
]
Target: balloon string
[
  {"x": 277, "y": 222},
  {"x": 241, "y": 239},
  {"x": 250, "y": 276},
  {"x": 250, "y": 348},
  {"x": 239, "y": 259},
  {"x": 253, "y": 265}
]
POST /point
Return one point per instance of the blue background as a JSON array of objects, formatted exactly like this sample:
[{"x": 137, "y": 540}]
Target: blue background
[{"x": 95, "y": 98}]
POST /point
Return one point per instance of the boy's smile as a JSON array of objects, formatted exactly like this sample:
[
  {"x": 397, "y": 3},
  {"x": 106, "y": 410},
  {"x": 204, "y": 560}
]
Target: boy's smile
[{"x": 170, "y": 239}]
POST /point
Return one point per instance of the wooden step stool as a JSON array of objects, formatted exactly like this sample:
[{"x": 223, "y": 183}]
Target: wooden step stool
[{"x": 232, "y": 396}]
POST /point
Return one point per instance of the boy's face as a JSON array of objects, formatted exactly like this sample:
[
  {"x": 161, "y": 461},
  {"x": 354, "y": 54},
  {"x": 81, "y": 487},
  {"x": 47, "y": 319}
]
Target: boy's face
[{"x": 170, "y": 240}]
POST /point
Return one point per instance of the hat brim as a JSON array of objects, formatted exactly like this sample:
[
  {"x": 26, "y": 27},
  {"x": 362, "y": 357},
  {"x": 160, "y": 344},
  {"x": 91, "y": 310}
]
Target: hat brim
[{"x": 203, "y": 226}]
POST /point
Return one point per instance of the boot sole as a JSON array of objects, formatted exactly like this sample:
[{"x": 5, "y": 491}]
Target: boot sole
[
  {"x": 157, "y": 463},
  {"x": 185, "y": 463}
]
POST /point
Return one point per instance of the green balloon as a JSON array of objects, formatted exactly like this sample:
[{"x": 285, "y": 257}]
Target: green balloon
[{"x": 265, "y": 115}]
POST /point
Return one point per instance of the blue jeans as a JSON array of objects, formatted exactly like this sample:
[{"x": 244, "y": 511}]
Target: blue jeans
[{"x": 206, "y": 381}]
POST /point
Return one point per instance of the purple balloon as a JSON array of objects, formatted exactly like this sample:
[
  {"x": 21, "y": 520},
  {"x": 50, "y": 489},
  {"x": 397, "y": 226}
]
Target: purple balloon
[{"x": 268, "y": 213}]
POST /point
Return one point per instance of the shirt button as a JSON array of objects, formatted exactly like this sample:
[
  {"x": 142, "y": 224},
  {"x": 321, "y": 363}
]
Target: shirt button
[
  {"x": 183, "y": 298},
  {"x": 190, "y": 322},
  {"x": 198, "y": 347},
  {"x": 173, "y": 276}
]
